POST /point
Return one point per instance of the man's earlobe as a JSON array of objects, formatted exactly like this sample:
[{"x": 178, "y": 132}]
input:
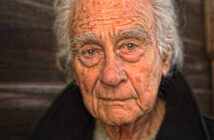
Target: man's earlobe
[
  {"x": 165, "y": 71},
  {"x": 76, "y": 80}
]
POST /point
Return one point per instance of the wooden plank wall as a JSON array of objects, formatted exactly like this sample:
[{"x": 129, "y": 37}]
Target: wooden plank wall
[
  {"x": 209, "y": 26},
  {"x": 197, "y": 63},
  {"x": 27, "y": 42},
  {"x": 30, "y": 80}
]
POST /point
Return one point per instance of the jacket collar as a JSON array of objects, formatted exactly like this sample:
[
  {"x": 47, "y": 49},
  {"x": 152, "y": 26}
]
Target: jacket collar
[{"x": 183, "y": 120}]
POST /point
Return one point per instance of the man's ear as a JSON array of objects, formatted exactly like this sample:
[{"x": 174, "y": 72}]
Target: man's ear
[
  {"x": 74, "y": 75},
  {"x": 166, "y": 59},
  {"x": 76, "y": 80}
]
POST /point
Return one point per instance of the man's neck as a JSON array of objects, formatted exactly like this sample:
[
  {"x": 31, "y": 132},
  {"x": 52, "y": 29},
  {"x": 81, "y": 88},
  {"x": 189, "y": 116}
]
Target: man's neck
[{"x": 142, "y": 128}]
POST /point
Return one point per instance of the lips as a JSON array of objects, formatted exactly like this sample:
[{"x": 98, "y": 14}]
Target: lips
[{"x": 115, "y": 99}]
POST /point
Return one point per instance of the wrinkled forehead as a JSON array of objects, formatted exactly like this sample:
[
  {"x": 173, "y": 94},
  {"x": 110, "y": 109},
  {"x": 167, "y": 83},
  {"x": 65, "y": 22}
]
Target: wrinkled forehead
[{"x": 90, "y": 13}]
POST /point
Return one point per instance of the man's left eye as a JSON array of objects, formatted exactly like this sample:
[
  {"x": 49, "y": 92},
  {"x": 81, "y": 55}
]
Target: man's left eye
[
  {"x": 130, "y": 46},
  {"x": 90, "y": 52}
]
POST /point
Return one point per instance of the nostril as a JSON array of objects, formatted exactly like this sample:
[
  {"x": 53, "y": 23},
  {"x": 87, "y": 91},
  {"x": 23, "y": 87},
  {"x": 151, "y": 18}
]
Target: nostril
[{"x": 113, "y": 77}]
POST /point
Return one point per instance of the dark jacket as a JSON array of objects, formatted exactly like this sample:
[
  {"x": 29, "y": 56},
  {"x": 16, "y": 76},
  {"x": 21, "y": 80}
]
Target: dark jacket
[{"x": 68, "y": 119}]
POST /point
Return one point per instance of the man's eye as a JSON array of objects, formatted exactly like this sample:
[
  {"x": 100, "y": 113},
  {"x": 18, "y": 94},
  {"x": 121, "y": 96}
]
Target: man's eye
[
  {"x": 130, "y": 46},
  {"x": 90, "y": 57},
  {"x": 90, "y": 52}
]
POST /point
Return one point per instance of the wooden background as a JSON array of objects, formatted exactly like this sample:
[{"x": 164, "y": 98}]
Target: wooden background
[
  {"x": 29, "y": 79},
  {"x": 209, "y": 26}
]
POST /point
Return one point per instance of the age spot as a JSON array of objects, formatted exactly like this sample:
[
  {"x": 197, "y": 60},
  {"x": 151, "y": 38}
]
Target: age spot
[{"x": 138, "y": 79}]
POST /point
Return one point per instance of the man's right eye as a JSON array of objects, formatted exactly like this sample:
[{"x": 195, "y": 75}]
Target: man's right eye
[{"x": 91, "y": 56}]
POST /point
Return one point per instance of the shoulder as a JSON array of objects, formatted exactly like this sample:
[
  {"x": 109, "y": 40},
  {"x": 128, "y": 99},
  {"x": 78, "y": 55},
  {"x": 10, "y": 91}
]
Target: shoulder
[
  {"x": 209, "y": 121},
  {"x": 67, "y": 118}
]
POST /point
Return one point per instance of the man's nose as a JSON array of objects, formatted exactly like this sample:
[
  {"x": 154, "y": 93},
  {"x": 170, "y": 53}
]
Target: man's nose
[{"x": 113, "y": 73}]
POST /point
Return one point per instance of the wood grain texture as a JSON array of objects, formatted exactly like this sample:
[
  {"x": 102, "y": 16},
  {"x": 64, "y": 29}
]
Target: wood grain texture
[
  {"x": 28, "y": 55},
  {"x": 202, "y": 97},
  {"x": 26, "y": 14},
  {"x": 22, "y": 105},
  {"x": 196, "y": 67},
  {"x": 209, "y": 22},
  {"x": 209, "y": 14},
  {"x": 27, "y": 51}
]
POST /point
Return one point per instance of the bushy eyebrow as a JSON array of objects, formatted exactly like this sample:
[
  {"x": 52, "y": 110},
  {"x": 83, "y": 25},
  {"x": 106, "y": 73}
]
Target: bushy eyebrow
[
  {"x": 91, "y": 37},
  {"x": 134, "y": 33},
  {"x": 83, "y": 39}
]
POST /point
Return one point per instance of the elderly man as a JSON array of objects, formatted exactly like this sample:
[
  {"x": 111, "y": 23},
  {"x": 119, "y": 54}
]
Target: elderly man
[{"x": 123, "y": 57}]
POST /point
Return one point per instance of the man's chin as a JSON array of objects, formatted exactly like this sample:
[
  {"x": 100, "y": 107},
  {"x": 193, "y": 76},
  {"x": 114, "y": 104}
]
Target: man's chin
[{"x": 118, "y": 116}]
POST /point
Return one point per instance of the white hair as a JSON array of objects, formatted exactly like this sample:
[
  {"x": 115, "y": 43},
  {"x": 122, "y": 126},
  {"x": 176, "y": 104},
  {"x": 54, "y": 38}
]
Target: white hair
[{"x": 166, "y": 32}]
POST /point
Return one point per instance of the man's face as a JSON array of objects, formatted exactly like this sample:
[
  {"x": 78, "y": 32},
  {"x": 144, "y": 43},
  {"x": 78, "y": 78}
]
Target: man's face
[{"x": 117, "y": 63}]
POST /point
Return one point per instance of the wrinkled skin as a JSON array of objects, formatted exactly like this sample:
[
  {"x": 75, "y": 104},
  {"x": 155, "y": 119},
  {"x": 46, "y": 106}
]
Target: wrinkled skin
[{"x": 119, "y": 74}]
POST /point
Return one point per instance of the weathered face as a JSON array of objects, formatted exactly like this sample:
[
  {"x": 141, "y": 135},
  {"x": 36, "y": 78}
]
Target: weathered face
[{"x": 117, "y": 63}]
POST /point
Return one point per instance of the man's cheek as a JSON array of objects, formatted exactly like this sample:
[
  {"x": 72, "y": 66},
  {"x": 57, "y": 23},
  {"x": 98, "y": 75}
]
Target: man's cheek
[
  {"x": 87, "y": 84},
  {"x": 144, "y": 85},
  {"x": 88, "y": 78},
  {"x": 90, "y": 103},
  {"x": 147, "y": 99}
]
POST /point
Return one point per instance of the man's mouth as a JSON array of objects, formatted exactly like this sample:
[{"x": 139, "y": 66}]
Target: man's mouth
[{"x": 115, "y": 99}]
